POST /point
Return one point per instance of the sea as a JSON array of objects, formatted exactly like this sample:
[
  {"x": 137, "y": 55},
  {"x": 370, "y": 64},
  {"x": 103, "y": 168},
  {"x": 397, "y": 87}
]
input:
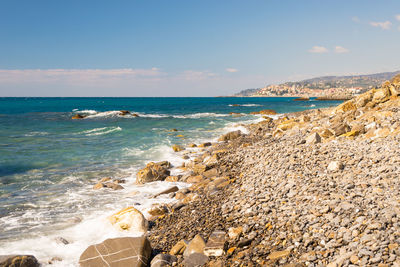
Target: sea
[{"x": 49, "y": 162}]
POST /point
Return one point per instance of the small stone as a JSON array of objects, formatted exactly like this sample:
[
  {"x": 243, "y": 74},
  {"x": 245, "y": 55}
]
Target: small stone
[
  {"x": 178, "y": 248},
  {"x": 354, "y": 259},
  {"x": 314, "y": 138},
  {"x": 335, "y": 166},
  {"x": 163, "y": 260},
  {"x": 197, "y": 245},
  {"x": 278, "y": 254},
  {"x": 234, "y": 233},
  {"x": 177, "y": 148},
  {"x": 195, "y": 259}
]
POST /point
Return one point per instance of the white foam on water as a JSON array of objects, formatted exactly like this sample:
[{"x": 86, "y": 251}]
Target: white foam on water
[
  {"x": 36, "y": 134},
  {"x": 200, "y": 115},
  {"x": 101, "y": 131},
  {"x": 85, "y": 111},
  {"x": 245, "y": 105}
]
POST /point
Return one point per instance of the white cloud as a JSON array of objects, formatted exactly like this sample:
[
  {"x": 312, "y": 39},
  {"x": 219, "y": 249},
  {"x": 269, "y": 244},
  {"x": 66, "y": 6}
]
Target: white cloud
[
  {"x": 231, "y": 70},
  {"x": 356, "y": 19},
  {"x": 398, "y": 17},
  {"x": 318, "y": 50},
  {"x": 341, "y": 50},
  {"x": 383, "y": 25}
]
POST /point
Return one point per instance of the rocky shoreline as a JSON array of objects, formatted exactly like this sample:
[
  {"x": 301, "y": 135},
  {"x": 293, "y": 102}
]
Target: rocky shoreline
[{"x": 313, "y": 188}]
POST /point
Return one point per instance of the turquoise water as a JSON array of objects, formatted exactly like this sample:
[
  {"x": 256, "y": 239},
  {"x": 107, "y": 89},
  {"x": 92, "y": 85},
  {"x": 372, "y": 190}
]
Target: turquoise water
[{"x": 48, "y": 162}]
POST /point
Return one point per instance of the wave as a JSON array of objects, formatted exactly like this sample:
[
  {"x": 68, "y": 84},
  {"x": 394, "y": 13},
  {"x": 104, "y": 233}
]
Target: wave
[
  {"x": 101, "y": 131},
  {"x": 200, "y": 115},
  {"x": 117, "y": 113},
  {"x": 245, "y": 105},
  {"x": 85, "y": 111},
  {"x": 36, "y": 134}
]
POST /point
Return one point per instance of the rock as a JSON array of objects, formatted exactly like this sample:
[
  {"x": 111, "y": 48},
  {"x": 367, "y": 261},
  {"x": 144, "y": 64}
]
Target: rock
[
  {"x": 173, "y": 130},
  {"x": 264, "y": 112},
  {"x": 172, "y": 179},
  {"x": 105, "y": 179},
  {"x": 215, "y": 244},
  {"x": 197, "y": 245},
  {"x": 192, "y": 145},
  {"x": 177, "y": 148},
  {"x": 326, "y": 133},
  {"x": 158, "y": 211},
  {"x": 276, "y": 255},
  {"x": 167, "y": 191},
  {"x": 230, "y": 136},
  {"x": 205, "y": 144},
  {"x": 195, "y": 259},
  {"x": 381, "y": 95},
  {"x": 78, "y": 116},
  {"x": 152, "y": 172},
  {"x": 200, "y": 168},
  {"x": 335, "y": 166},
  {"x": 98, "y": 186},
  {"x": 313, "y": 139},
  {"x": 210, "y": 173},
  {"x": 124, "y": 112},
  {"x": 234, "y": 233},
  {"x": 61, "y": 240},
  {"x": 195, "y": 179},
  {"x": 129, "y": 219},
  {"x": 340, "y": 128},
  {"x": 178, "y": 248},
  {"x": 162, "y": 260},
  {"x": 18, "y": 261},
  {"x": 345, "y": 107},
  {"x": 115, "y": 252},
  {"x": 114, "y": 186}
]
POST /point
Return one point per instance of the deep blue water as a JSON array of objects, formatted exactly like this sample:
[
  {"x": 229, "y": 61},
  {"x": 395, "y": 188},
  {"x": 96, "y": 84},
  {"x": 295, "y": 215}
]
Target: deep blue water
[{"x": 45, "y": 155}]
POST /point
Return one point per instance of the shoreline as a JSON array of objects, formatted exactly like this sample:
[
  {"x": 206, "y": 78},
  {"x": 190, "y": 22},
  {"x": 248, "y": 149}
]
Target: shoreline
[{"x": 297, "y": 190}]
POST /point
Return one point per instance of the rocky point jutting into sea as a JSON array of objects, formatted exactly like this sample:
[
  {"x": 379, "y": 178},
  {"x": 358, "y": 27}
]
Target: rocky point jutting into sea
[{"x": 313, "y": 188}]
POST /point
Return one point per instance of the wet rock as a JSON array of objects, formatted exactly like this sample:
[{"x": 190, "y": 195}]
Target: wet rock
[
  {"x": 152, "y": 172},
  {"x": 124, "y": 112},
  {"x": 129, "y": 219},
  {"x": 78, "y": 116},
  {"x": 61, "y": 240},
  {"x": 167, "y": 191},
  {"x": 18, "y": 261},
  {"x": 207, "y": 144},
  {"x": 177, "y": 148},
  {"x": 114, "y": 186},
  {"x": 124, "y": 251},
  {"x": 264, "y": 112}
]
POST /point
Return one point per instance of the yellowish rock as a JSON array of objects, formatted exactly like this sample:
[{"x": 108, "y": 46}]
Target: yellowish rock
[
  {"x": 351, "y": 133},
  {"x": 346, "y": 106},
  {"x": 178, "y": 248},
  {"x": 129, "y": 219},
  {"x": 177, "y": 148}
]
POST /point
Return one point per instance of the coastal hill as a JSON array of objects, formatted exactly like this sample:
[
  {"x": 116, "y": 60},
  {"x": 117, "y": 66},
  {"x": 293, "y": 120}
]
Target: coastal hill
[{"x": 322, "y": 86}]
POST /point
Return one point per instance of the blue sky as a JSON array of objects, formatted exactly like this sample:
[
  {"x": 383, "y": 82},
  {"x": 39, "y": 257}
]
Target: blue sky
[{"x": 188, "y": 48}]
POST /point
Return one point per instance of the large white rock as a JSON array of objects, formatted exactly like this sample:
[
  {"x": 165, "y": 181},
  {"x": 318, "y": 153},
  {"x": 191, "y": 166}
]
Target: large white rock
[{"x": 129, "y": 219}]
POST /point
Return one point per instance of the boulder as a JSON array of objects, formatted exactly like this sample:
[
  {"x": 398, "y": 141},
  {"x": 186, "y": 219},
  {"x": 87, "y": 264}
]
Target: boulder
[
  {"x": 206, "y": 144},
  {"x": 364, "y": 98},
  {"x": 326, "y": 133},
  {"x": 18, "y": 261},
  {"x": 152, "y": 172},
  {"x": 129, "y": 219},
  {"x": 381, "y": 95},
  {"x": 98, "y": 186},
  {"x": 396, "y": 79},
  {"x": 118, "y": 252},
  {"x": 215, "y": 244},
  {"x": 230, "y": 136},
  {"x": 163, "y": 260},
  {"x": 192, "y": 145},
  {"x": 195, "y": 260},
  {"x": 177, "y": 148},
  {"x": 167, "y": 191},
  {"x": 78, "y": 116},
  {"x": 340, "y": 128},
  {"x": 264, "y": 112},
  {"x": 314, "y": 138},
  {"x": 197, "y": 245},
  {"x": 124, "y": 112},
  {"x": 345, "y": 107},
  {"x": 114, "y": 186}
]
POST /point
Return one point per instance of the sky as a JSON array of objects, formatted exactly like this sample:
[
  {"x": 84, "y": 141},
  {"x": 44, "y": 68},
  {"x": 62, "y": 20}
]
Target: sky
[{"x": 189, "y": 48}]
